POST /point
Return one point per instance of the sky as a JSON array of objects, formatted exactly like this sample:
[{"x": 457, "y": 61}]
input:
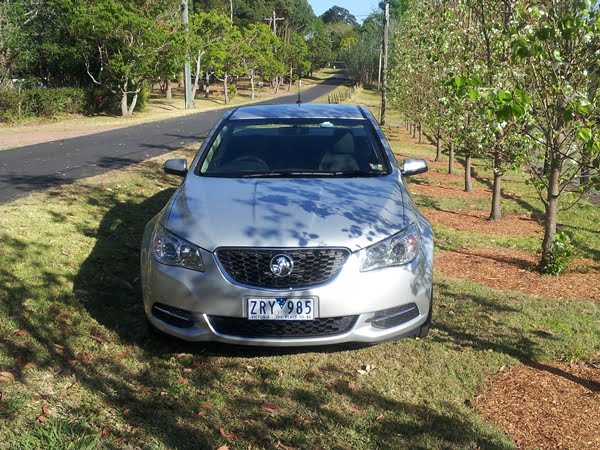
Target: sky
[{"x": 360, "y": 8}]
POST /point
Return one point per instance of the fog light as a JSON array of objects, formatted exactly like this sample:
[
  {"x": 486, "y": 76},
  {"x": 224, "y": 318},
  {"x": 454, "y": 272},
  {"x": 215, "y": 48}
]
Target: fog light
[
  {"x": 173, "y": 316},
  {"x": 393, "y": 317}
]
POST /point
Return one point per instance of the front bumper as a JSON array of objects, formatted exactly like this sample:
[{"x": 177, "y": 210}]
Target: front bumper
[{"x": 361, "y": 296}]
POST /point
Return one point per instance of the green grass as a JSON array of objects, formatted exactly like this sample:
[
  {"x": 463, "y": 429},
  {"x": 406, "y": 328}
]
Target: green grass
[{"x": 73, "y": 334}]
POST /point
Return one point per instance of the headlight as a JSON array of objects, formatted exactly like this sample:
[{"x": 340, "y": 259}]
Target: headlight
[
  {"x": 174, "y": 251},
  {"x": 396, "y": 250}
]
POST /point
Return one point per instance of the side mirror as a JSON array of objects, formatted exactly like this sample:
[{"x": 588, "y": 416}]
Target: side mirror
[
  {"x": 413, "y": 166},
  {"x": 176, "y": 167}
]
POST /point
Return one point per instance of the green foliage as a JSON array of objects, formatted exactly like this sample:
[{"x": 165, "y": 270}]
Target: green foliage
[
  {"x": 560, "y": 256},
  {"x": 46, "y": 103}
]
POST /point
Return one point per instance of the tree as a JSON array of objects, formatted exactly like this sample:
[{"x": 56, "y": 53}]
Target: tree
[
  {"x": 227, "y": 58},
  {"x": 556, "y": 44},
  {"x": 295, "y": 57},
  {"x": 207, "y": 43},
  {"x": 337, "y": 14},
  {"x": 122, "y": 46},
  {"x": 319, "y": 46},
  {"x": 258, "y": 51}
]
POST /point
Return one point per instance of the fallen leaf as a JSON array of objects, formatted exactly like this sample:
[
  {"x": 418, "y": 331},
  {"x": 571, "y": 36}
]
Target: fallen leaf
[
  {"x": 250, "y": 367},
  {"x": 121, "y": 354},
  {"x": 380, "y": 418},
  {"x": 126, "y": 411},
  {"x": 29, "y": 365},
  {"x": 105, "y": 432},
  {"x": 45, "y": 410},
  {"x": 59, "y": 347},
  {"x": 201, "y": 413},
  {"x": 6, "y": 376},
  {"x": 41, "y": 419},
  {"x": 72, "y": 362},
  {"x": 266, "y": 380},
  {"x": 228, "y": 436},
  {"x": 182, "y": 381},
  {"x": 21, "y": 332},
  {"x": 206, "y": 405},
  {"x": 119, "y": 440},
  {"x": 280, "y": 373},
  {"x": 97, "y": 339},
  {"x": 187, "y": 370},
  {"x": 146, "y": 389},
  {"x": 269, "y": 407},
  {"x": 223, "y": 447}
]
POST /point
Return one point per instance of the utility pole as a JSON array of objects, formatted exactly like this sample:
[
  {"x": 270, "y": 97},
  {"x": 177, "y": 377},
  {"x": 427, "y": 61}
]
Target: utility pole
[
  {"x": 273, "y": 21},
  {"x": 187, "y": 71},
  {"x": 386, "y": 34}
]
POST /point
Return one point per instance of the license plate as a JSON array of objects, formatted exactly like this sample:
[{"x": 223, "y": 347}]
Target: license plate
[{"x": 281, "y": 309}]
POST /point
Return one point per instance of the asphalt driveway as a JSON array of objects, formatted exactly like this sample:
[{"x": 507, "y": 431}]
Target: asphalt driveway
[{"x": 35, "y": 167}]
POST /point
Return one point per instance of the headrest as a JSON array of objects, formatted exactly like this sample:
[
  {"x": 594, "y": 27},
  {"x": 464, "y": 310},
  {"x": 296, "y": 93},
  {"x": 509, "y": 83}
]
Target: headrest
[{"x": 345, "y": 144}]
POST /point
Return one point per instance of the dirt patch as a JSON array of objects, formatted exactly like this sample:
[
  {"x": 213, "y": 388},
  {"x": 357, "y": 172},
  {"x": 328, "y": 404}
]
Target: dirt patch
[
  {"x": 477, "y": 221},
  {"x": 447, "y": 190},
  {"x": 547, "y": 406},
  {"x": 512, "y": 270}
]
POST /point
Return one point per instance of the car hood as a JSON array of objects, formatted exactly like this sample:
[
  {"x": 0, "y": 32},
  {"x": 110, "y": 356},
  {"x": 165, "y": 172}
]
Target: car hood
[{"x": 297, "y": 212}]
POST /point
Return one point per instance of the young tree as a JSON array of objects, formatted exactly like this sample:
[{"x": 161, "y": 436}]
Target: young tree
[
  {"x": 556, "y": 44},
  {"x": 295, "y": 57}
]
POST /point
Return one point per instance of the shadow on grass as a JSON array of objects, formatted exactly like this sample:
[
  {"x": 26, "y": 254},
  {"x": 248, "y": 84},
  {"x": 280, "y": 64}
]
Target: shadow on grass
[{"x": 481, "y": 323}]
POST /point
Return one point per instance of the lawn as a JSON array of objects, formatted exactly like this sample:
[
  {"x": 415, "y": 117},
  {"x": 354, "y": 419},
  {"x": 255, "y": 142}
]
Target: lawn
[{"x": 79, "y": 368}]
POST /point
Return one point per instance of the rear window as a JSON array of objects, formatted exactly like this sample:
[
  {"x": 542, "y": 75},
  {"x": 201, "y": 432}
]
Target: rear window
[{"x": 294, "y": 148}]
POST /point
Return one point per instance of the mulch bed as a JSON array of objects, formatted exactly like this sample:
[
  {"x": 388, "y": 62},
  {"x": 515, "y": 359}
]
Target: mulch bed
[
  {"x": 448, "y": 190},
  {"x": 477, "y": 221},
  {"x": 513, "y": 270},
  {"x": 547, "y": 406}
]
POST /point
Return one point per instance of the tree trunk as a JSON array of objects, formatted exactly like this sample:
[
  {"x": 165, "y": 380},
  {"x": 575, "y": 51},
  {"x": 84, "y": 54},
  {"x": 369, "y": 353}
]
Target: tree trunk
[
  {"x": 468, "y": 181},
  {"x": 451, "y": 158},
  {"x": 124, "y": 109},
  {"x": 420, "y": 133},
  {"x": 276, "y": 85},
  {"x": 226, "y": 89},
  {"x": 438, "y": 146},
  {"x": 252, "y": 82},
  {"x": 496, "y": 213},
  {"x": 551, "y": 205},
  {"x": 584, "y": 177},
  {"x": 291, "y": 74},
  {"x": 169, "y": 93},
  {"x": 207, "y": 86},
  {"x": 414, "y": 130},
  {"x": 133, "y": 102}
]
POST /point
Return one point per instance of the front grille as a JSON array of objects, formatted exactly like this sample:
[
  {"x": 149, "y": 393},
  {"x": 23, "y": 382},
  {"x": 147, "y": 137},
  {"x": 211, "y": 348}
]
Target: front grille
[
  {"x": 253, "y": 266},
  {"x": 330, "y": 326}
]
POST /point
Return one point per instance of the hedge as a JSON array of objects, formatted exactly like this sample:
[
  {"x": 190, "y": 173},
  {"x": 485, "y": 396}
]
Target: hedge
[{"x": 51, "y": 102}]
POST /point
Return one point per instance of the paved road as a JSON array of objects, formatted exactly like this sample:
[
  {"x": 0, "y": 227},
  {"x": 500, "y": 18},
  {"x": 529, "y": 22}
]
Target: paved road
[{"x": 34, "y": 167}]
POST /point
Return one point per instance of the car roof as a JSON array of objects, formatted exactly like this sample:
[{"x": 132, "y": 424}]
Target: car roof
[{"x": 297, "y": 111}]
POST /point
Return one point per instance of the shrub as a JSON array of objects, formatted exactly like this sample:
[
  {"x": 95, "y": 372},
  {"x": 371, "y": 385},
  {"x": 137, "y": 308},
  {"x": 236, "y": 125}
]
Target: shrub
[
  {"x": 9, "y": 105},
  {"x": 45, "y": 103},
  {"x": 561, "y": 255}
]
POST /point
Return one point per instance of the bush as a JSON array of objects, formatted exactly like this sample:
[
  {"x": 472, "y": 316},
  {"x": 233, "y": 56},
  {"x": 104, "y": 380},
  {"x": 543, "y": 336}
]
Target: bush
[
  {"x": 46, "y": 103},
  {"x": 9, "y": 105},
  {"x": 143, "y": 97},
  {"x": 561, "y": 255}
]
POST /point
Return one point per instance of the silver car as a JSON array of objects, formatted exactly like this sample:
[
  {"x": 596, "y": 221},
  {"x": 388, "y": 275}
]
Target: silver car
[{"x": 292, "y": 227}]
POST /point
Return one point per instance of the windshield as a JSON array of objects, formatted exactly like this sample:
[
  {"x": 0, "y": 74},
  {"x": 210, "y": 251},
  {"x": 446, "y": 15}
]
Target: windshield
[{"x": 295, "y": 148}]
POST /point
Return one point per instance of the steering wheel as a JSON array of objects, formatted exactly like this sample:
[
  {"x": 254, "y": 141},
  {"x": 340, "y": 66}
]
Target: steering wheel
[{"x": 251, "y": 159}]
